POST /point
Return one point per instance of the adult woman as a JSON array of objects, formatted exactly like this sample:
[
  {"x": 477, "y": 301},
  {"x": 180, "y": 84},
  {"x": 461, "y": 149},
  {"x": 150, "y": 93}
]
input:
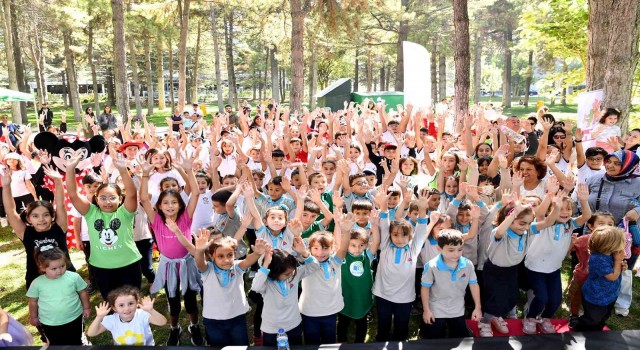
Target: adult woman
[
  {"x": 89, "y": 112},
  {"x": 618, "y": 192},
  {"x": 529, "y": 176},
  {"x": 107, "y": 120}
]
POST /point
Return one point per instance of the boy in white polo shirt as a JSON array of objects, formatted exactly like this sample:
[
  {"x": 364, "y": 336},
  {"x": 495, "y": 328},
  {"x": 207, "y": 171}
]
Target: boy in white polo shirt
[{"x": 444, "y": 283}]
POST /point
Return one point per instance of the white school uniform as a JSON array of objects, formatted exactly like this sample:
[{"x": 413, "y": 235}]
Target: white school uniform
[
  {"x": 396, "y": 271},
  {"x": 223, "y": 285},
  {"x": 322, "y": 290},
  {"x": 549, "y": 247}
]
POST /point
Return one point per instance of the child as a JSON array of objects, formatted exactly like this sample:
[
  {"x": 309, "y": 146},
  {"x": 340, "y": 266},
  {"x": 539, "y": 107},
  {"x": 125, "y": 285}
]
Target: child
[
  {"x": 225, "y": 323},
  {"x": 356, "y": 188},
  {"x": 600, "y": 290},
  {"x": 278, "y": 194},
  {"x": 544, "y": 260},
  {"x": 114, "y": 255},
  {"x": 21, "y": 186},
  {"x": 177, "y": 269},
  {"x": 90, "y": 183},
  {"x": 607, "y": 129},
  {"x": 308, "y": 211},
  {"x": 277, "y": 281},
  {"x": 508, "y": 245},
  {"x": 321, "y": 297},
  {"x": 393, "y": 287},
  {"x": 357, "y": 275},
  {"x": 39, "y": 226},
  {"x": 202, "y": 216},
  {"x": 161, "y": 161},
  {"x": 58, "y": 299},
  {"x": 130, "y": 320},
  {"x": 444, "y": 283},
  {"x": 580, "y": 273}
]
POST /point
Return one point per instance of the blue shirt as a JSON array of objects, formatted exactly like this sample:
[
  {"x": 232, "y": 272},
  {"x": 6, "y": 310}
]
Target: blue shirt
[{"x": 598, "y": 289}]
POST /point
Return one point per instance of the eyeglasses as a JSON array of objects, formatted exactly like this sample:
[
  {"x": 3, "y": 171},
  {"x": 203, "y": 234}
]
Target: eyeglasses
[
  {"x": 559, "y": 137},
  {"x": 595, "y": 159},
  {"x": 108, "y": 198},
  {"x": 361, "y": 183}
]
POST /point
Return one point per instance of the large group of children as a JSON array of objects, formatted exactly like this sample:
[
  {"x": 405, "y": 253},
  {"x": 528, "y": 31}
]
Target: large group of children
[{"x": 328, "y": 217}]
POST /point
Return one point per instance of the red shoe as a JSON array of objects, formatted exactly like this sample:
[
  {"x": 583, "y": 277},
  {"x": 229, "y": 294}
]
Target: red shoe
[{"x": 257, "y": 341}]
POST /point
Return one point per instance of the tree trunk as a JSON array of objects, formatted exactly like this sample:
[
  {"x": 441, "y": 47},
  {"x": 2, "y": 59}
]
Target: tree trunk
[
  {"x": 111, "y": 89},
  {"x": 136, "y": 78},
  {"x": 148, "y": 71},
  {"x": 403, "y": 35},
  {"x": 477, "y": 67},
  {"x": 194, "y": 95},
  {"x": 622, "y": 57},
  {"x": 37, "y": 70},
  {"x": 228, "y": 43},
  {"x": 382, "y": 76},
  {"x": 527, "y": 82},
  {"x": 182, "y": 51},
  {"x": 275, "y": 81},
  {"x": 43, "y": 65},
  {"x": 434, "y": 72},
  {"x": 64, "y": 89},
  {"x": 442, "y": 81},
  {"x": 189, "y": 78},
  {"x": 17, "y": 54},
  {"x": 216, "y": 50},
  {"x": 369, "y": 71},
  {"x": 171, "y": 92},
  {"x": 94, "y": 74},
  {"x": 254, "y": 81},
  {"x": 506, "y": 76},
  {"x": 597, "y": 42},
  {"x": 297, "y": 54},
  {"x": 565, "y": 71},
  {"x": 120, "y": 59},
  {"x": 462, "y": 61},
  {"x": 386, "y": 82},
  {"x": 283, "y": 82},
  {"x": 266, "y": 70},
  {"x": 74, "y": 96},
  {"x": 313, "y": 84},
  {"x": 160, "y": 71},
  {"x": 356, "y": 75},
  {"x": 11, "y": 64}
]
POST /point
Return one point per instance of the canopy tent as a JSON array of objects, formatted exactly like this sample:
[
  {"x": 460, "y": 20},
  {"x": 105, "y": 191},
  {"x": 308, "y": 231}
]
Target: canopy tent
[{"x": 7, "y": 95}]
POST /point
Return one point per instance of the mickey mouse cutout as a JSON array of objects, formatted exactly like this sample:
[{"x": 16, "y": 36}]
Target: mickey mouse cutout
[
  {"x": 107, "y": 235},
  {"x": 62, "y": 149}
]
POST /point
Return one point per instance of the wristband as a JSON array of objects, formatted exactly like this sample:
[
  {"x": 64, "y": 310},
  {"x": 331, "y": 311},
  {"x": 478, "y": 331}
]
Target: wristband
[{"x": 577, "y": 141}]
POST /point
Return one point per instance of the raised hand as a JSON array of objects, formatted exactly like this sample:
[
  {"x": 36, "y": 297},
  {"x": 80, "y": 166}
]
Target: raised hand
[
  {"x": 552, "y": 156},
  {"x": 475, "y": 212},
  {"x": 268, "y": 254},
  {"x": 506, "y": 196},
  {"x": 172, "y": 226},
  {"x": 516, "y": 179},
  {"x": 315, "y": 196},
  {"x": 337, "y": 200},
  {"x": 75, "y": 159},
  {"x": 146, "y": 304},
  {"x": 552, "y": 185},
  {"x": 298, "y": 246},
  {"x": 582, "y": 192},
  {"x": 202, "y": 239},
  {"x": 103, "y": 309},
  {"x": 295, "y": 226},
  {"x": 50, "y": 172},
  {"x": 434, "y": 216},
  {"x": 346, "y": 221},
  {"x": 374, "y": 218}
]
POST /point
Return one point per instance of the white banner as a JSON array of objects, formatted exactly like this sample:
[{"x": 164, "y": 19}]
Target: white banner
[
  {"x": 417, "y": 77},
  {"x": 589, "y": 114}
]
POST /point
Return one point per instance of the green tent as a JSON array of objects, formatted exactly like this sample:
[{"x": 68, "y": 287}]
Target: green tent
[{"x": 7, "y": 95}]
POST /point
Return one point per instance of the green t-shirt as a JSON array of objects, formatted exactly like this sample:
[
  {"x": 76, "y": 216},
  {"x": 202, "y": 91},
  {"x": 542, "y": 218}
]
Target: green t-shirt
[
  {"x": 328, "y": 201},
  {"x": 58, "y": 299},
  {"x": 313, "y": 228},
  {"x": 357, "y": 281},
  {"x": 111, "y": 236}
]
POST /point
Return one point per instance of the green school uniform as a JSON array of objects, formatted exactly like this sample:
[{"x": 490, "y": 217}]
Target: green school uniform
[{"x": 357, "y": 281}]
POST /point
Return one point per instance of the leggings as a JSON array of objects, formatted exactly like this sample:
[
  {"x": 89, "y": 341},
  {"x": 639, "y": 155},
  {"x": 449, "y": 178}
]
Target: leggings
[
  {"x": 344, "y": 322},
  {"x": 66, "y": 334},
  {"x": 257, "y": 316},
  {"x": 86, "y": 248},
  {"x": 145, "y": 247},
  {"x": 190, "y": 302},
  {"x": 110, "y": 279}
]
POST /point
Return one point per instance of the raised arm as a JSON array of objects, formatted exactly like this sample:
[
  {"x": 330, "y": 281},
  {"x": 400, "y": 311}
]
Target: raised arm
[
  {"x": 145, "y": 198},
  {"x": 61, "y": 209},
  {"x": 10, "y": 206},
  {"x": 131, "y": 199},
  {"x": 81, "y": 203}
]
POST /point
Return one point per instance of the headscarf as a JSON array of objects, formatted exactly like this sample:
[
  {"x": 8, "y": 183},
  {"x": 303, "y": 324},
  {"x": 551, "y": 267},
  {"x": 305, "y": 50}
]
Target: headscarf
[{"x": 629, "y": 162}]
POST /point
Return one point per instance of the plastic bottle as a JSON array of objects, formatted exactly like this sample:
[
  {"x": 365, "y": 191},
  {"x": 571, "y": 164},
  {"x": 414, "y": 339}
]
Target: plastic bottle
[
  {"x": 282, "y": 340},
  {"x": 512, "y": 135}
]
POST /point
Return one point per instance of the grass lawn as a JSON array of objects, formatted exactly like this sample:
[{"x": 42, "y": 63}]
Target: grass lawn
[{"x": 13, "y": 299}]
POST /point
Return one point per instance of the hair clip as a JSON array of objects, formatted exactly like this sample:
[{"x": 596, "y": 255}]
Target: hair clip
[{"x": 45, "y": 248}]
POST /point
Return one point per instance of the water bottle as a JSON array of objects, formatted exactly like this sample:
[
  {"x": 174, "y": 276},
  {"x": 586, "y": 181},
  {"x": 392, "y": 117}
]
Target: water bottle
[
  {"x": 512, "y": 135},
  {"x": 282, "y": 340}
]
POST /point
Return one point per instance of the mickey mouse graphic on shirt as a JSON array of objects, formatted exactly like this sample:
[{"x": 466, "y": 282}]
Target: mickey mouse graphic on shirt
[{"x": 108, "y": 236}]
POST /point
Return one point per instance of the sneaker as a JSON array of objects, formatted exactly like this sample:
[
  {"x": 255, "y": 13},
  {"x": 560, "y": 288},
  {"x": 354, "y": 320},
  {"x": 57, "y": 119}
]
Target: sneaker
[
  {"x": 573, "y": 322},
  {"x": 500, "y": 325},
  {"x": 622, "y": 312},
  {"x": 485, "y": 330},
  {"x": 257, "y": 341},
  {"x": 174, "y": 336},
  {"x": 530, "y": 325},
  {"x": 196, "y": 335},
  {"x": 546, "y": 327}
]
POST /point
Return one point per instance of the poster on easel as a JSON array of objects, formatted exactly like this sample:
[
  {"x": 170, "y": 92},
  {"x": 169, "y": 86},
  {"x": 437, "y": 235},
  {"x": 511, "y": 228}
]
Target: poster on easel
[{"x": 588, "y": 114}]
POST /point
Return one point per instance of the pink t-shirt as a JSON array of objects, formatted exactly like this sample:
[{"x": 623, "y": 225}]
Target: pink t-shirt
[{"x": 166, "y": 240}]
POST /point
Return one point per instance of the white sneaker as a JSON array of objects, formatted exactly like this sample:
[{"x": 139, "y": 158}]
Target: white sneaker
[{"x": 622, "y": 312}]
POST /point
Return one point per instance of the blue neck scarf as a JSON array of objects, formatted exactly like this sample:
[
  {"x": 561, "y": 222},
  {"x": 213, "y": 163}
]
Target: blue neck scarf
[{"x": 399, "y": 251}]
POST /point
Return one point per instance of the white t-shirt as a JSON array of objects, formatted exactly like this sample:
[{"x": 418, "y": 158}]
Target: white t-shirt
[
  {"x": 156, "y": 178},
  {"x": 233, "y": 293},
  {"x": 203, "y": 216},
  {"x": 84, "y": 229},
  {"x": 18, "y": 185},
  {"x": 135, "y": 332},
  {"x": 608, "y": 131}
]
